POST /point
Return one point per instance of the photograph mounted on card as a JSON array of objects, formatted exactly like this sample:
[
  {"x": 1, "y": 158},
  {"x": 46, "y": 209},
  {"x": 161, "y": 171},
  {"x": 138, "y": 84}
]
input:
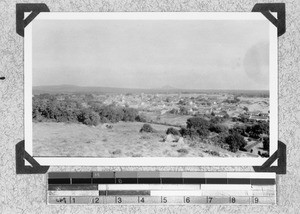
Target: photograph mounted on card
[{"x": 151, "y": 89}]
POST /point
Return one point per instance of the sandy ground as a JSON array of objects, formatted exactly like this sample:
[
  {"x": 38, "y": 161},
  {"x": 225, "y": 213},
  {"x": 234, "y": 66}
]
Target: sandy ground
[
  {"x": 123, "y": 140},
  {"x": 257, "y": 104}
]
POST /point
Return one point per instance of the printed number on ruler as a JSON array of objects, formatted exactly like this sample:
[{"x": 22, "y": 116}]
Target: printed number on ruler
[
  {"x": 141, "y": 200},
  {"x": 96, "y": 200},
  {"x": 119, "y": 200},
  {"x": 187, "y": 199},
  {"x": 232, "y": 200}
]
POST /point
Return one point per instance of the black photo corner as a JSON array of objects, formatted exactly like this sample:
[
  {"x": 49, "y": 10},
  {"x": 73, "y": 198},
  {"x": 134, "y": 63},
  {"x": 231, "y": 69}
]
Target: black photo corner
[{"x": 21, "y": 156}]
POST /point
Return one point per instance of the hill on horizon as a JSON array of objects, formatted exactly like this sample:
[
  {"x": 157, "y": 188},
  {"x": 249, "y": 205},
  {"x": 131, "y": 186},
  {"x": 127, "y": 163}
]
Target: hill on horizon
[{"x": 71, "y": 89}]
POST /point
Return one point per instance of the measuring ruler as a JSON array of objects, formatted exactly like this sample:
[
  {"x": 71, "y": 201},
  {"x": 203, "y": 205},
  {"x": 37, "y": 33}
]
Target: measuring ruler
[{"x": 161, "y": 188}]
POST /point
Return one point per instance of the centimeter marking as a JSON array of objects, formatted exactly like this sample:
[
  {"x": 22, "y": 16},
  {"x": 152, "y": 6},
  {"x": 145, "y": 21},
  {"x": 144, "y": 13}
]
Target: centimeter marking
[
  {"x": 161, "y": 188},
  {"x": 232, "y": 200}
]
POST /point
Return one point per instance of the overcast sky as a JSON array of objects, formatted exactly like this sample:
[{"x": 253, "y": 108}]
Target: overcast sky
[{"x": 152, "y": 54}]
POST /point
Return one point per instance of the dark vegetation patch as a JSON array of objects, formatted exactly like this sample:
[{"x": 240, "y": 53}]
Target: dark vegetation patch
[
  {"x": 147, "y": 128},
  {"x": 230, "y": 139},
  {"x": 213, "y": 153},
  {"x": 183, "y": 151},
  {"x": 46, "y": 107},
  {"x": 172, "y": 131}
]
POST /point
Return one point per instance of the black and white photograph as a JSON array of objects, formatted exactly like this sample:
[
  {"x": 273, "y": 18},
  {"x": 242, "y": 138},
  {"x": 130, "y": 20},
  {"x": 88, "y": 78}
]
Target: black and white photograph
[{"x": 169, "y": 88}]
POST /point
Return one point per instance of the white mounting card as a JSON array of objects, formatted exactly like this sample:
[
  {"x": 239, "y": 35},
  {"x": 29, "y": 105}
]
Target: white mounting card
[{"x": 151, "y": 89}]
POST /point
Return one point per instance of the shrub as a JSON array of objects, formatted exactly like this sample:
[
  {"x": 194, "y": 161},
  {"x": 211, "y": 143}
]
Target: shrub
[
  {"x": 116, "y": 152},
  {"x": 104, "y": 120},
  {"x": 147, "y": 128},
  {"x": 89, "y": 117},
  {"x": 112, "y": 113},
  {"x": 235, "y": 142},
  {"x": 183, "y": 151},
  {"x": 129, "y": 114},
  {"x": 141, "y": 118},
  {"x": 213, "y": 153},
  {"x": 197, "y": 123},
  {"x": 265, "y": 154},
  {"x": 218, "y": 128},
  {"x": 184, "y": 132},
  {"x": 188, "y": 132},
  {"x": 172, "y": 131}
]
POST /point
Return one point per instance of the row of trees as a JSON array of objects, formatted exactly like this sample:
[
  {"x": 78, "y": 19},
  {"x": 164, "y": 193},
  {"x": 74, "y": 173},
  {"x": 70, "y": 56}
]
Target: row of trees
[
  {"x": 48, "y": 108},
  {"x": 254, "y": 131}
]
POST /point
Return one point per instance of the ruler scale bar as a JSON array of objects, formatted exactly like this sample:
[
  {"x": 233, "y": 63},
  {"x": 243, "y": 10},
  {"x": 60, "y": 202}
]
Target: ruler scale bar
[
  {"x": 161, "y": 188},
  {"x": 232, "y": 200}
]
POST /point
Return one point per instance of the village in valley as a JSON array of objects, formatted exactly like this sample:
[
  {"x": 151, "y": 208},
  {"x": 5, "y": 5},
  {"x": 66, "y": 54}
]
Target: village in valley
[
  {"x": 195, "y": 104},
  {"x": 223, "y": 117}
]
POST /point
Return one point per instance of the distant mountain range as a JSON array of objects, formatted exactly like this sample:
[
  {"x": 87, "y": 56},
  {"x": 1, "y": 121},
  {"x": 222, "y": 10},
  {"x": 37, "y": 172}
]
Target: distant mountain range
[
  {"x": 71, "y": 89},
  {"x": 168, "y": 87},
  {"x": 55, "y": 89}
]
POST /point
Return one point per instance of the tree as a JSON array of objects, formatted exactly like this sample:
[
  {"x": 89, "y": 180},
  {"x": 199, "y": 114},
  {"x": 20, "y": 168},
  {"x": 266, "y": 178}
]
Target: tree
[
  {"x": 147, "y": 128},
  {"x": 172, "y": 131},
  {"x": 218, "y": 128},
  {"x": 197, "y": 123},
  {"x": 235, "y": 142},
  {"x": 112, "y": 113},
  {"x": 256, "y": 130},
  {"x": 266, "y": 143},
  {"x": 89, "y": 117},
  {"x": 188, "y": 132},
  {"x": 240, "y": 130}
]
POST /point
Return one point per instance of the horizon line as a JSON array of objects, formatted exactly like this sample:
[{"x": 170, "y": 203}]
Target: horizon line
[{"x": 161, "y": 88}]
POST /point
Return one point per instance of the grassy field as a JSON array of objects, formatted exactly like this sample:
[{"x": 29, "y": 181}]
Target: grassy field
[
  {"x": 122, "y": 140},
  {"x": 177, "y": 120}
]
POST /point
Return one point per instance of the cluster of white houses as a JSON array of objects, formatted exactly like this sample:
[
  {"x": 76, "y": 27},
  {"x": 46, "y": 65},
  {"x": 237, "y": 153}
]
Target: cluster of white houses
[{"x": 187, "y": 104}]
